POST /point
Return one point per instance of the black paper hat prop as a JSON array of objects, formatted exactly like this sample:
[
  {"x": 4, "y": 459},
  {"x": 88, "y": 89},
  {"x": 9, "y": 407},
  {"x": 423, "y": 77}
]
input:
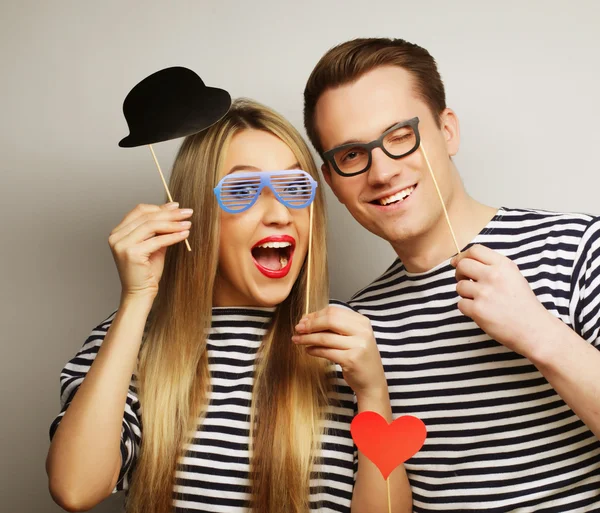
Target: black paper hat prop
[{"x": 171, "y": 103}]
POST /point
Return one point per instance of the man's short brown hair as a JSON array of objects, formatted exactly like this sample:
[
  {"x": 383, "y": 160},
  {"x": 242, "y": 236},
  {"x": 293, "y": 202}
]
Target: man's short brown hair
[{"x": 348, "y": 61}]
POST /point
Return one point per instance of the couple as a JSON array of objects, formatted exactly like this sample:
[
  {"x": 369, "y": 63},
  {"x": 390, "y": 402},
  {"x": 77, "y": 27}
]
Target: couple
[{"x": 239, "y": 400}]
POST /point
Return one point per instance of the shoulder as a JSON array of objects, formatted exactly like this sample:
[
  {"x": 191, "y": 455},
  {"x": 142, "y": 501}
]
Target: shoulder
[
  {"x": 588, "y": 251},
  {"x": 530, "y": 218},
  {"x": 341, "y": 304},
  {"x": 380, "y": 286},
  {"x": 526, "y": 233},
  {"x": 97, "y": 335},
  {"x": 105, "y": 324}
]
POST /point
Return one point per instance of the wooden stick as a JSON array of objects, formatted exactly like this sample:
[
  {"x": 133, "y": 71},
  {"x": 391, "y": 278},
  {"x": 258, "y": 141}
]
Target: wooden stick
[
  {"x": 309, "y": 255},
  {"x": 165, "y": 184},
  {"x": 389, "y": 496},
  {"x": 440, "y": 196}
]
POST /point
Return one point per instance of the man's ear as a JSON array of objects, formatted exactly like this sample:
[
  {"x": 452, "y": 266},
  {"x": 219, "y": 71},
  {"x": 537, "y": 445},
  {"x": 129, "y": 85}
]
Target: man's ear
[
  {"x": 451, "y": 131},
  {"x": 327, "y": 175}
]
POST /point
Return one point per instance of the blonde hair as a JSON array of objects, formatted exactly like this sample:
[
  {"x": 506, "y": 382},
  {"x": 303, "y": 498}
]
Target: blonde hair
[{"x": 173, "y": 375}]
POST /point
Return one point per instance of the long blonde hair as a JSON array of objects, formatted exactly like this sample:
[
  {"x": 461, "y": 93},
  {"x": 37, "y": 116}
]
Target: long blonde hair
[{"x": 173, "y": 376}]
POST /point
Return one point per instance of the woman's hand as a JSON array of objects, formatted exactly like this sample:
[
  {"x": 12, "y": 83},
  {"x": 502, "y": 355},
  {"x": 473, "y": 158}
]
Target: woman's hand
[
  {"x": 346, "y": 338},
  {"x": 139, "y": 244}
]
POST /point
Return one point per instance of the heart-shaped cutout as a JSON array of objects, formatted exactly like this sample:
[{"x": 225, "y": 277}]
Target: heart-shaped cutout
[{"x": 387, "y": 445}]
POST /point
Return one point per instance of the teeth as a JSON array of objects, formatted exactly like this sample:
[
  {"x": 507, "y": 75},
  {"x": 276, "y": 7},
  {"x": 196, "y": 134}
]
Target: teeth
[
  {"x": 274, "y": 245},
  {"x": 283, "y": 261},
  {"x": 399, "y": 196}
]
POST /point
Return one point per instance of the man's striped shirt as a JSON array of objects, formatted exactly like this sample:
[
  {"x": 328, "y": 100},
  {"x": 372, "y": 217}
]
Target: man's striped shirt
[{"x": 500, "y": 439}]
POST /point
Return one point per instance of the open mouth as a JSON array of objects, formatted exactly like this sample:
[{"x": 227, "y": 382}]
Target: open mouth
[
  {"x": 273, "y": 255},
  {"x": 396, "y": 198}
]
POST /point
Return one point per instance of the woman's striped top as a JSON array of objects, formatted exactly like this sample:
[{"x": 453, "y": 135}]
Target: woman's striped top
[{"x": 213, "y": 474}]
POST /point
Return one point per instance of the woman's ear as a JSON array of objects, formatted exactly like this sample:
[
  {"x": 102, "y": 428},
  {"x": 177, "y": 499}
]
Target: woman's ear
[{"x": 451, "y": 130}]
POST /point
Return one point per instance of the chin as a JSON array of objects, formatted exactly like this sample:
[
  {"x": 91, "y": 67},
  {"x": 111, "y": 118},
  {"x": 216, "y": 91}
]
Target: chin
[
  {"x": 272, "y": 296},
  {"x": 406, "y": 230}
]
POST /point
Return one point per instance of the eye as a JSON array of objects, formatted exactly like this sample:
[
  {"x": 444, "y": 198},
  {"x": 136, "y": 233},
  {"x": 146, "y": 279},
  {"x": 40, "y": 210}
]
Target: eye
[
  {"x": 244, "y": 189},
  {"x": 400, "y": 138},
  {"x": 296, "y": 188},
  {"x": 351, "y": 155}
]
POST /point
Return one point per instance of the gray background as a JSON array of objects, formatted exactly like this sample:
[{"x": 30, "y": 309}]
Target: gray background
[{"x": 523, "y": 77}]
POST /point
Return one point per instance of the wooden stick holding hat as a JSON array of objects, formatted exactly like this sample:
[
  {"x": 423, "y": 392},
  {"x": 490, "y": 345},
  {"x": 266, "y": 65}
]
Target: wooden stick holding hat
[
  {"x": 166, "y": 186},
  {"x": 171, "y": 103}
]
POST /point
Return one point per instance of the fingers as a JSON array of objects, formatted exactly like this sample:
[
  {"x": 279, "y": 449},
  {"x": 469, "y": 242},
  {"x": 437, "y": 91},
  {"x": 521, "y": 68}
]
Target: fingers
[
  {"x": 148, "y": 220},
  {"x": 342, "y": 321},
  {"x": 150, "y": 228},
  {"x": 162, "y": 241},
  {"x": 467, "y": 289},
  {"x": 479, "y": 253},
  {"x": 333, "y": 355},
  {"x": 469, "y": 269},
  {"x": 483, "y": 265},
  {"x": 135, "y": 254},
  {"x": 467, "y": 307},
  {"x": 361, "y": 367},
  {"x": 324, "y": 339},
  {"x": 162, "y": 213},
  {"x": 141, "y": 209}
]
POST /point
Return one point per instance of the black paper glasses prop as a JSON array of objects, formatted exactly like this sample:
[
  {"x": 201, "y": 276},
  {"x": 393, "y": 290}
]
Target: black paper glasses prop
[
  {"x": 355, "y": 158},
  {"x": 171, "y": 103},
  {"x": 396, "y": 142}
]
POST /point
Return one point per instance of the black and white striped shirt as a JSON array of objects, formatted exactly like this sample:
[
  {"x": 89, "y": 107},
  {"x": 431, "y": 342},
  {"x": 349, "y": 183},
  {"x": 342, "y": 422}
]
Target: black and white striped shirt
[
  {"x": 499, "y": 437},
  {"x": 213, "y": 473}
]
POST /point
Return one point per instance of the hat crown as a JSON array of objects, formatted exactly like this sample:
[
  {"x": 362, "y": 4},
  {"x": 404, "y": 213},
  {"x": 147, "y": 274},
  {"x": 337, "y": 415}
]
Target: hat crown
[{"x": 171, "y": 103}]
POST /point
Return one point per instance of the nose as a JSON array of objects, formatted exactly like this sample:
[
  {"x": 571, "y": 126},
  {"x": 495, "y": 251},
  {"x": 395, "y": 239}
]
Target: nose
[
  {"x": 383, "y": 168},
  {"x": 274, "y": 213}
]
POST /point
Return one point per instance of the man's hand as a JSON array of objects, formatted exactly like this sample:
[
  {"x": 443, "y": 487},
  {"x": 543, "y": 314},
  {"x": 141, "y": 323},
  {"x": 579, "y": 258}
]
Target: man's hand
[{"x": 499, "y": 299}]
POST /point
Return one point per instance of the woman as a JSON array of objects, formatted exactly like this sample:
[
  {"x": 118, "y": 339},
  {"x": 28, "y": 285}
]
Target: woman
[{"x": 236, "y": 414}]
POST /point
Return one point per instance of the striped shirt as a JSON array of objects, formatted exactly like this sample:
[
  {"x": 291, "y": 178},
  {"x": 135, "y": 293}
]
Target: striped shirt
[
  {"x": 212, "y": 475},
  {"x": 500, "y": 439}
]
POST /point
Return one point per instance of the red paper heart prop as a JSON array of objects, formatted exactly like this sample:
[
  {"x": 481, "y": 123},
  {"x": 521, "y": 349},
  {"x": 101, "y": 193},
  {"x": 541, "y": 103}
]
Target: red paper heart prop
[{"x": 387, "y": 445}]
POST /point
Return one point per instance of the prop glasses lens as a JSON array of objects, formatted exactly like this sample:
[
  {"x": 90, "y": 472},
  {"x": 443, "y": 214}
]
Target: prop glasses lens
[
  {"x": 239, "y": 191},
  {"x": 398, "y": 141}
]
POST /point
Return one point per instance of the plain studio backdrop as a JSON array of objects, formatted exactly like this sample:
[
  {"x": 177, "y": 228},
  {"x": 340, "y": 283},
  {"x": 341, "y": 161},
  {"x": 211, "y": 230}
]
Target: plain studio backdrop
[{"x": 522, "y": 76}]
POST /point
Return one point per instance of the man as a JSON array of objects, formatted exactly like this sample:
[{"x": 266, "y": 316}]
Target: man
[{"x": 496, "y": 349}]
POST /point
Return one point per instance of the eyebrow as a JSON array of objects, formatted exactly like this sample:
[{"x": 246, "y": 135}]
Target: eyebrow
[
  {"x": 354, "y": 141},
  {"x": 244, "y": 167}
]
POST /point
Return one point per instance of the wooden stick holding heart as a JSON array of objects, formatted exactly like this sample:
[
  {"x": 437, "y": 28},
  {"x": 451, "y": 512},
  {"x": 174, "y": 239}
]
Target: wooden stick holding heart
[{"x": 387, "y": 445}]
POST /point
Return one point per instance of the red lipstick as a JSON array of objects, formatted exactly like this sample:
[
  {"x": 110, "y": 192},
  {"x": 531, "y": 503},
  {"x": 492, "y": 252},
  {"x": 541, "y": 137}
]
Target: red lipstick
[{"x": 280, "y": 273}]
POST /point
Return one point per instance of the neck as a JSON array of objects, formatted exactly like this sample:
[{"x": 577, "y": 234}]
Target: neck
[{"x": 467, "y": 216}]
